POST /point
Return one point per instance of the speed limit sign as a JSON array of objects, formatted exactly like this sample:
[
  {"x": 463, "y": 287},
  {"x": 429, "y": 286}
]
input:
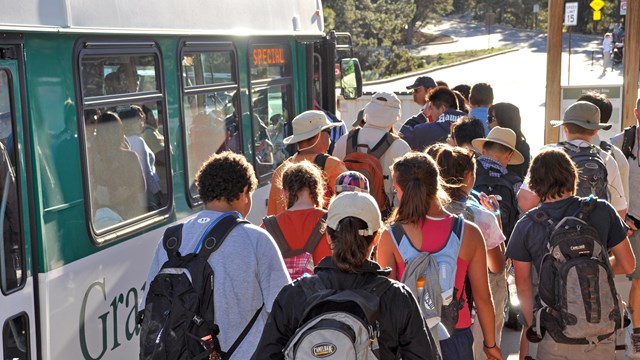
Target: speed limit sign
[{"x": 571, "y": 14}]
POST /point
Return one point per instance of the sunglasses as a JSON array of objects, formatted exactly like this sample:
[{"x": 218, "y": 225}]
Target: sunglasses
[{"x": 491, "y": 118}]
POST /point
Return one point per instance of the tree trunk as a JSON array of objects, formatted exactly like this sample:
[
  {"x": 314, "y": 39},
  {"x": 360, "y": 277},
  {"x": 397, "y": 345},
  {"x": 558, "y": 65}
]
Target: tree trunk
[{"x": 411, "y": 28}]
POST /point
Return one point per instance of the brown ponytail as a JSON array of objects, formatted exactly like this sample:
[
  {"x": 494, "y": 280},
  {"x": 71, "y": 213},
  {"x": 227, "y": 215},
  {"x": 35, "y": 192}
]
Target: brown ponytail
[
  {"x": 455, "y": 163},
  {"x": 348, "y": 245},
  {"x": 303, "y": 175}
]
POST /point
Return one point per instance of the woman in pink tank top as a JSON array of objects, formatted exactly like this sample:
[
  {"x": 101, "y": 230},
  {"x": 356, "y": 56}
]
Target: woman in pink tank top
[{"x": 427, "y": 226}]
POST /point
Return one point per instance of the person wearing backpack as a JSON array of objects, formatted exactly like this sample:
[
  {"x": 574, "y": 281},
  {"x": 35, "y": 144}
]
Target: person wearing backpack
[
  {"x": 606, "y": 108},
  {"x": 433, "y": 251},
  {"x": 492, "y": 176},
  {"x": 574, "y": 245},
  {"x": 300, "y": 230},
  {"x": 442, "y": 106},
  {"x": 628, "y": 141},
  {"x": 372, "y": 149},
  {"x": 244, "y": 272},
  {"x": 312, "y": 135},
  {"x": 458, "y": 170},
  {"x": 599, "y": 173},
  {"x": 349, "y": 294}
]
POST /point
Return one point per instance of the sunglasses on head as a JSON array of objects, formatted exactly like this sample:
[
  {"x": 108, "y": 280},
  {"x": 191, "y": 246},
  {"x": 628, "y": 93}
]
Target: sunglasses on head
[{"x": 491, "y": 118}]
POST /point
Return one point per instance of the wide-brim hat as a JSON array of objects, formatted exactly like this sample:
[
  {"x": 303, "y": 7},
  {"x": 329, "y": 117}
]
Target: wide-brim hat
[
  {"x": 583, "y": 114},
  {"x": 309, "y": 124},
  {"x": 502, "y": 136},
  {"x": 355, "y": 204}
]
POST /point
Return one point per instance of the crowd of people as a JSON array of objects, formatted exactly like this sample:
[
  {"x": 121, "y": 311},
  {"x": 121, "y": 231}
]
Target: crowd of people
[{"x": 399, "y": 244}]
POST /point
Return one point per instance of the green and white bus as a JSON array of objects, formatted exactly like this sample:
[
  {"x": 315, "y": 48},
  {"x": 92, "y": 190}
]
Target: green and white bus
[{"x": 79, "y": 227}]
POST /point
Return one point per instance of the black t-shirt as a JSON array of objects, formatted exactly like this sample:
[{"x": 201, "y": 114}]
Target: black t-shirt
[{"x": 528, "y": 240}]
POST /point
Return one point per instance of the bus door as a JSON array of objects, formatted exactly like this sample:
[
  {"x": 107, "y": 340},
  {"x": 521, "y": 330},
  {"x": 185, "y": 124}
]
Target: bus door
[{"x": 17, "y": 316}]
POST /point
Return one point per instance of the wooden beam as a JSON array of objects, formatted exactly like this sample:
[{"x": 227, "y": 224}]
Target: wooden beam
[
  {"x": 554, "y": 70},
  {"x": 631, "y": 62}
]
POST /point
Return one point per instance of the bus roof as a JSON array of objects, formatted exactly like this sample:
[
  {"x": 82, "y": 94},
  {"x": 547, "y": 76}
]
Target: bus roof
[{"x": 230, "y": 17}]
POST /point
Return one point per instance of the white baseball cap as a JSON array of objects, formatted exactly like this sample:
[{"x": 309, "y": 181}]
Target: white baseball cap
[{"x": 355, "y": 204}]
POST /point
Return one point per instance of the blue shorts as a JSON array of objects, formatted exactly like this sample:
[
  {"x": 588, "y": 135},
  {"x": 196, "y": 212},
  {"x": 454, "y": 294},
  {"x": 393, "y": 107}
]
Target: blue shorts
[{"x": 459, "y": 346}]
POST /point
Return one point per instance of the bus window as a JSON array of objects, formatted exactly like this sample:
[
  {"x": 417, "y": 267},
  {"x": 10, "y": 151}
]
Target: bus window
[
  {"x": 271, "y": 97},
  {"x": 15, "y": 338},
  {"x": 126, "y": 155},
  {"x": 210, "y": 106},
  {"x": 12, "y": 250}
]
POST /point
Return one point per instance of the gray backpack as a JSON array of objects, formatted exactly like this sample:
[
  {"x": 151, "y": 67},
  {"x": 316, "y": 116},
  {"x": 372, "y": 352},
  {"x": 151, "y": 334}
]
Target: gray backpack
[
  {"x": 578, "y": 302},
  {"x": 592, "y": 177},
  {"x": 337, "y": 324}
]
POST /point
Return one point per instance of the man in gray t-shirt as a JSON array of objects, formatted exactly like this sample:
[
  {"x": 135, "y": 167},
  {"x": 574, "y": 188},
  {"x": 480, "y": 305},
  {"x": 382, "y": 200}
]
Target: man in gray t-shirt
[{"x": 249, "y": 270}]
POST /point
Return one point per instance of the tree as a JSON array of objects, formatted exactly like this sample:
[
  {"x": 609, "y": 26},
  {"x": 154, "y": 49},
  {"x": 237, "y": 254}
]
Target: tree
[{"x": 425, "y": 10}]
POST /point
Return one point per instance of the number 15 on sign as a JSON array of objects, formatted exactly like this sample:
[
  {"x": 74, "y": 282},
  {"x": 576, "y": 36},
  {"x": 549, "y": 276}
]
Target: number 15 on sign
[{"x": 571, "y": 14}]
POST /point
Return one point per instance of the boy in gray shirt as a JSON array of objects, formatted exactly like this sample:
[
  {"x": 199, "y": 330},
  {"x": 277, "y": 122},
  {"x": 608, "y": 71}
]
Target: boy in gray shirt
[{"x": 248, "y": 266}]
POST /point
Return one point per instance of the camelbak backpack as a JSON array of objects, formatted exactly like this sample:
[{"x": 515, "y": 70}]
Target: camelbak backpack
[
  {"x": 592, "y": 177},
  {"x": 368, "y": 164},
  {"x": 178, "y": 318},
  {"x": 337, "y": 324},
  {"x": 578, "y": 302},
  {"x": 300, "y": 261},
  {"x": 439, "y": 300}
]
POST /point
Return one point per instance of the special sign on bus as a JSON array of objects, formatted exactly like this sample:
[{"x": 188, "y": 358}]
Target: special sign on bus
[{"x": 268, "y": 56}]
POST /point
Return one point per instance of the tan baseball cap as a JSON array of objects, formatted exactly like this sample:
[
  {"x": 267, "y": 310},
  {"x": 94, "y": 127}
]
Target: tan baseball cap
[{"x": 355, "y": 204}]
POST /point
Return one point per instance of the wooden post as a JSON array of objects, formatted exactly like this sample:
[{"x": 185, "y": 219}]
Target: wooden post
[
  {"x": 631, "y": 62},
  {"x": 554, "y": 70}
]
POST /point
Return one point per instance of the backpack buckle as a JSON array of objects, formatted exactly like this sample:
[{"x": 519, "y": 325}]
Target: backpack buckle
[{"x": 197, "y": 320}]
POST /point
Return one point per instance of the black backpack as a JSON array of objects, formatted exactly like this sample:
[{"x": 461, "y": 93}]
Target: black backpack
[
  {"x": 577, "y": 300},
  {"x": 592, "y": 177},
  {"x": 629, "y": 141},
  {"x": 502, "y": 188},
  {"x": 178, "y": 318}
]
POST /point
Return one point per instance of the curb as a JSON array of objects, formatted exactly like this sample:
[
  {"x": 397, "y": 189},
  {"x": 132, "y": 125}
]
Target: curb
[{"x": 427, "y": 71}]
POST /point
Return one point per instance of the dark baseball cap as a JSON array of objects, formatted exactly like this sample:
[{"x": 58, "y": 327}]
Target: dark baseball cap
[{"x": 424, "y": 81}]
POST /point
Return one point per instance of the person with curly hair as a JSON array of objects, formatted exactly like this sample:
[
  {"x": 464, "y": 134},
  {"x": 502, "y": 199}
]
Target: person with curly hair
[
  {"x": 300, "y": 228},
  {"x": 249, "y": 271}
]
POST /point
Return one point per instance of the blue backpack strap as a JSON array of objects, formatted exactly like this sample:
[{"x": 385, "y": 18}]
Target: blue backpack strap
[
  {"x": 171, "y": 240},
  {"x": 398, "y": 232},
  {"x": 586, "y": 207},
  {"x": 218, "y": 233}
]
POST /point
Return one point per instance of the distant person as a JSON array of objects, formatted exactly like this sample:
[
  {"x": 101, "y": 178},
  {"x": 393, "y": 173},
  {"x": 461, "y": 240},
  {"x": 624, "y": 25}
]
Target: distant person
[
  {"x": 464, "y": 131},
  {"x": 442, "y": 83},
  {"x": 507, "y": 115},
  {"x": 421, "y": 88},
  {"x": 311, "y": 134},
  {"x": 299, "y": 231},
  {"x": 377, "y": 138},
  {"x": 352, "y": 181},
  {"x": 249, "y": 271},
  {"x": 442, "y": 107},
  {"x": 463, "y": 104},
  {"x": 464, "y": 89},
  {"x": 606, "y": 108},
  {"x": 607, "y": 48},
  {"x": 396, "y": 326},
  {"x": 480, "y": 98}
]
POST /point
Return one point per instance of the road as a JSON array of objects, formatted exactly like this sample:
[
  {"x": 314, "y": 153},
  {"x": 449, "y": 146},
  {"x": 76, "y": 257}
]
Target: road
[{"x": 518, "y": 77}]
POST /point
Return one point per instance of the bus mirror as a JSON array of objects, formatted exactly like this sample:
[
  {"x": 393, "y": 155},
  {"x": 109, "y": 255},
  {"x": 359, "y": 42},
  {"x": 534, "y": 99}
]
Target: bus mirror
[{"x": 351, "y": 79}]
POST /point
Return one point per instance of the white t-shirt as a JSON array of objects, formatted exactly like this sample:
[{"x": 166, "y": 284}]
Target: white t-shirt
[
  {"x": 633, "y": 176},
  {"x": 621, "y": 161}
]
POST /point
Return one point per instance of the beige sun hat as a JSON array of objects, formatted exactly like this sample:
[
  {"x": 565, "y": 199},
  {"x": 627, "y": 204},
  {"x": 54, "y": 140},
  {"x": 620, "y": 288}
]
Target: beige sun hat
[
  {"x": 355, "y": 204},
  {"x": 309, "y": 124},
  {"x": 382, "y": 111},
  {"x": 583, "y": 114},
  {"x": 504, "y": 137}
]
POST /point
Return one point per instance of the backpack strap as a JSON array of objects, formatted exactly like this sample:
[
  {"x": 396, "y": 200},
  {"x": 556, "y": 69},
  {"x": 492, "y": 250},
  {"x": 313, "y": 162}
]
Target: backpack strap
[
  {"x": 316, "y": 235},
  {"x": 321, "y": 160},
  {"x": 398, "y": 232},
  {"x": 352, "y": 141},
  {"x": 243, "y": 334},
  {"x": 271, "y": 225},
  {"x": 629, "y": 141},
  {"x": 218, "y": 233},
  {"x": 586, "y": 207},
  {"x": 172, "y": 239},
  {"x": 383, "y": 145},
  {"x": 606, "y": 146}
]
